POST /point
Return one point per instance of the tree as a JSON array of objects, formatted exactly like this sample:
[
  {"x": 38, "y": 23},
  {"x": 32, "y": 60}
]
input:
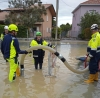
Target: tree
[
  {"x": 65, "y": 29},
  {"x": 87, "y": 33},
  {"x": 86, "y": 21},
  {"x": 26, "y": 12},
  {"x": 54, "y": 32}
]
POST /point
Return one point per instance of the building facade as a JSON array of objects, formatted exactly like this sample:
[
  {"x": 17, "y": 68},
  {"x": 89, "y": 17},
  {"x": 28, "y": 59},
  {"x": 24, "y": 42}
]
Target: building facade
[
  {"x": 79, "y": 11},
  {"x": 44, "y": 27}
]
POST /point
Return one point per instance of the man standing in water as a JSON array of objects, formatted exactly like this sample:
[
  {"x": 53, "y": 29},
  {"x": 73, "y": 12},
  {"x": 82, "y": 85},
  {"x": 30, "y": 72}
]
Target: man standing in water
[
  {"x": 10, "y": 50},
  {"x": 93, "y": 50},
  {"x": 38, "y": 54}
]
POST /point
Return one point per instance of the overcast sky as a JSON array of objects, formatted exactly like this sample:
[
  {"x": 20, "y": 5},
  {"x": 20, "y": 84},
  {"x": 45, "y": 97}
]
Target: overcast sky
[{"x": 65, "y": 8}]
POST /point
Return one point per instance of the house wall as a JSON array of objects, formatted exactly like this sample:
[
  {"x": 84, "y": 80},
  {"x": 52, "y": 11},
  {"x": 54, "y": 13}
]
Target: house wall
[
  {"x": 77, "y": 17},
  {"x": 47, "y": 24},
  {"x": 44, "y": 27},
  {"x": 75, "y": 21}
]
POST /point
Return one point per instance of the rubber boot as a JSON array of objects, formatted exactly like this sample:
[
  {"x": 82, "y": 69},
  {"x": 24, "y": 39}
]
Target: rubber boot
[
  {"x": 14, "y": 77},
  {"x": 91, "y": 78},
  {"x": 96, "y": 76},
  {"x": 6, "y": 60},
  {"x": 40, "y": 65},
  {"x": 36, "y": 66},
  {"x": 17, "y": 71},
  {"x": 21, "y": 70}
]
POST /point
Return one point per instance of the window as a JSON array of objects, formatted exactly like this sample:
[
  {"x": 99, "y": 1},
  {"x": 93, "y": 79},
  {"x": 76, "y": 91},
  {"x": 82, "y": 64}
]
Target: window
[
  {"x": 37, "y": 28},
  {"x": 92, "y": 11},
  {"x": 47, "y": 17},
  {"x": 49, "y": 30}
]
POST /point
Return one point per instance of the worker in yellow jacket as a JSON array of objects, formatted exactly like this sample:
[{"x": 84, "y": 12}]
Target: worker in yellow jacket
[
  {"x": 93, "y": 50},
  {"x": 10, "y": 50},
  {"x": 4, "y": 33},
  {"x": 38, "y": 54}
]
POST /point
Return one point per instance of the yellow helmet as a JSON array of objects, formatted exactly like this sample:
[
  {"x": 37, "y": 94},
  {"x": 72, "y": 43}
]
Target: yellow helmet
[{"x": 13, "y": 27}]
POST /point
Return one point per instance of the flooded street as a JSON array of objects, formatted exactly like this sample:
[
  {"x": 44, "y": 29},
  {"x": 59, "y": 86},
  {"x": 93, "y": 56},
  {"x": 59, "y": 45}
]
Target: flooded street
[{"x": 37, "y": 84}]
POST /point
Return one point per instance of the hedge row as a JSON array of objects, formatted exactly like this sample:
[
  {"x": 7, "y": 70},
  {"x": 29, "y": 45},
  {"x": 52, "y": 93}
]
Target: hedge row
[{"x": 22, "y": 31}]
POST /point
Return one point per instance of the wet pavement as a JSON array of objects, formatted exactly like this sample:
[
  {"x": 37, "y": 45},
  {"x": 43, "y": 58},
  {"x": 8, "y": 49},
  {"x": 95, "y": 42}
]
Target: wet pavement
[{"x": 37, "y": 84}]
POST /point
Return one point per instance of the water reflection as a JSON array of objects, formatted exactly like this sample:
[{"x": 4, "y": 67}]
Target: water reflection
[{"x": 35, "y": 84}]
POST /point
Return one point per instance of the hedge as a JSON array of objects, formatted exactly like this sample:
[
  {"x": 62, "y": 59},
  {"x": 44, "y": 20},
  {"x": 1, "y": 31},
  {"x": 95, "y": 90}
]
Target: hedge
[{"x": 22, "y": 31}]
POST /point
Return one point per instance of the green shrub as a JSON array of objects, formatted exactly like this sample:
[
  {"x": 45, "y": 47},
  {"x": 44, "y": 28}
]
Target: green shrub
[
  {"x": 22, "y": 31},
  {"x": 81, "y": 36},
  {"x": 1, "y": 29},
  {"x": 87, "y": 33}
]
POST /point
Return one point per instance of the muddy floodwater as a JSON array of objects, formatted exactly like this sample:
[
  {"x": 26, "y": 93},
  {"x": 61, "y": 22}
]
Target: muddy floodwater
[{"x": 37, "y": 84}]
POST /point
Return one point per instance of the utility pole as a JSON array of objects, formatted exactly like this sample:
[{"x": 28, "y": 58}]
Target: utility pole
[{"x": 57, "y": 7}]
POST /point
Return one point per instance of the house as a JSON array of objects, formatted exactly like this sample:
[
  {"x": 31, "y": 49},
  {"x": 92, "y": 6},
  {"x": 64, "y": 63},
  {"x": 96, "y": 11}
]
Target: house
[
  {"x": 44, "y": 27},
  {"x": 79, "y": 11}
]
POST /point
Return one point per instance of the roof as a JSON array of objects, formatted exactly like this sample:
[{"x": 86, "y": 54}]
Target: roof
[
  {"x": 47, "y": 6},
  {"x": 5, "y": 12},
  {"x": 89, "y": 3},
  {"x": 52, "y": 10}
]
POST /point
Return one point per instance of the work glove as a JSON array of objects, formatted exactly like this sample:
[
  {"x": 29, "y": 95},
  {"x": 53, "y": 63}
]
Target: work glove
[
  {"x": 87, "y": 54},
  {"x": 30, "y": 52},
  {"x": 88, "y": 59},
  {"x": 26, "y": 52},
  {"x": 53, "y": 46}
]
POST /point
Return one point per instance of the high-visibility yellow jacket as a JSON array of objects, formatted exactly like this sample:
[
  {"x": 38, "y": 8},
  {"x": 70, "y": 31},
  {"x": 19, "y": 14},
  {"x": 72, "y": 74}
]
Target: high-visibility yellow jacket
[
  {"x": 2, "y": 36},
  {"x": 10, "y": 47},
  {"x": 38, "y": 52},
  {"x": 94, "y": 45}
]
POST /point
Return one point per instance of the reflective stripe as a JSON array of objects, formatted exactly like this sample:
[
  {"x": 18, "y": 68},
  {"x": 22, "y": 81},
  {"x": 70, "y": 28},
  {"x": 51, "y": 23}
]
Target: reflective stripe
[
  {"x": 94, "y": 49},
  {"x": 90, "y": 55},
  {"x": 98, "y": 51},
  {"x": 35, "y": 55}
]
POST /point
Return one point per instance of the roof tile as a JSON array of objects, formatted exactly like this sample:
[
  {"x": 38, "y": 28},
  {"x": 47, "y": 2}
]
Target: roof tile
[{"x": 91, "y": 2}]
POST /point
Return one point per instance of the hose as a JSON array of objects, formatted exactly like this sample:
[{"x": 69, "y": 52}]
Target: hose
[{"x": 78, "y": 71}]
